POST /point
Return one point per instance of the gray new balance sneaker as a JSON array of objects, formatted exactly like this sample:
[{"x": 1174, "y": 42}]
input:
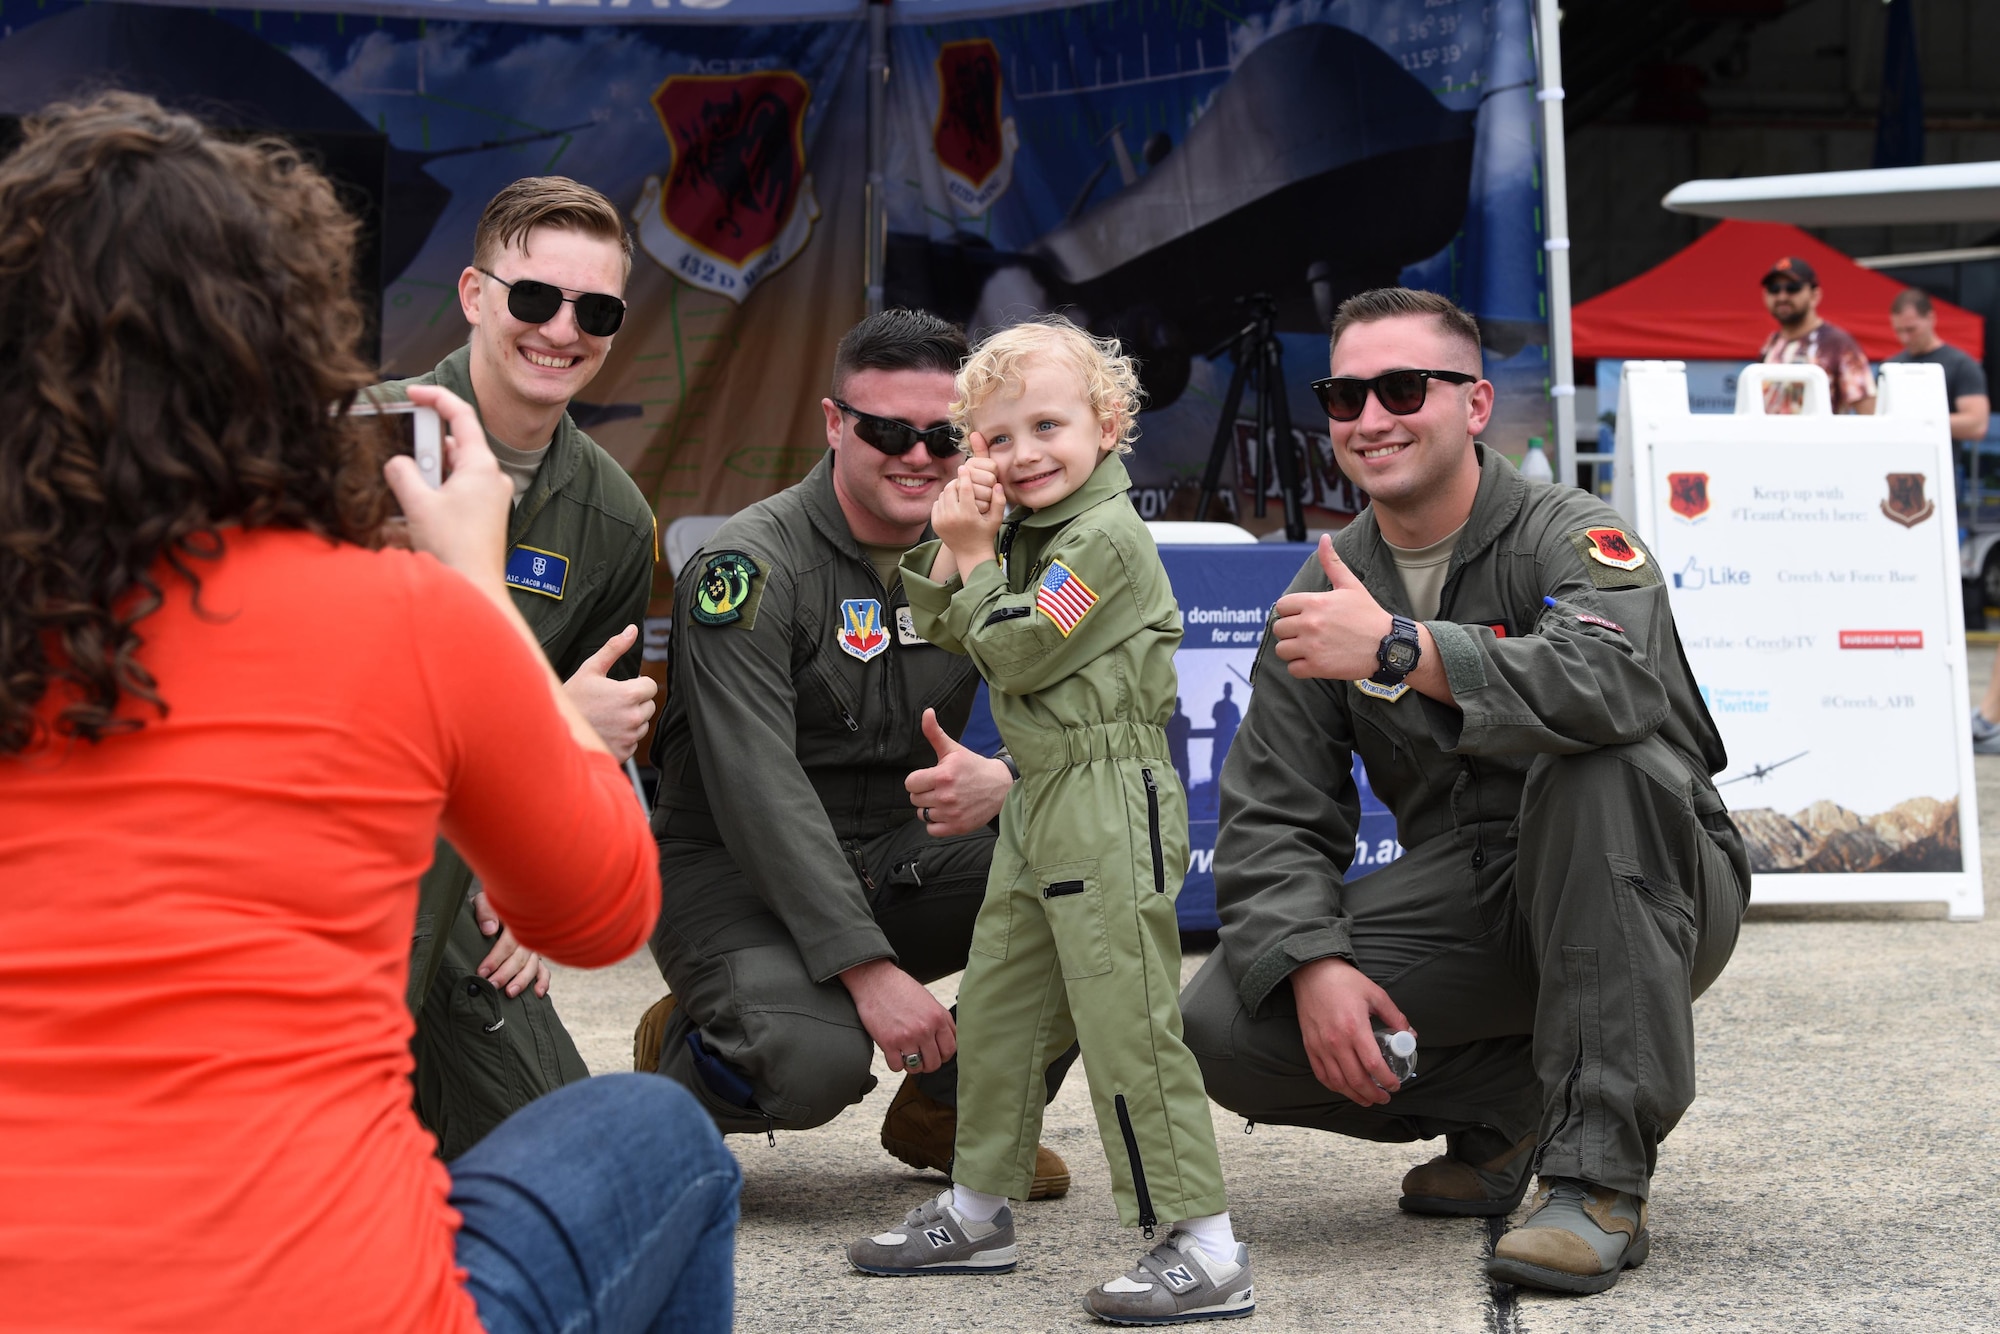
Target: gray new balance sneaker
[
  {"x": 1176, "y": 1282},
  {"x": 1579, "y": 1238},
  {"x": 1985, "y": 735},
  {"x": 936, "y": 1239}
]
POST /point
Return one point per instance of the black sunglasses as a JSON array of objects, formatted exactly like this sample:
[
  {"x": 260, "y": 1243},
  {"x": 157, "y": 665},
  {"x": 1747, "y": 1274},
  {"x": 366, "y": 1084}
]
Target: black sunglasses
[
  {"x": 1401, "y": 392},
  {"x": 533, "y": 302},
  {"x": 896, "y": 438},
  {"x": 1783, "y": 287}
]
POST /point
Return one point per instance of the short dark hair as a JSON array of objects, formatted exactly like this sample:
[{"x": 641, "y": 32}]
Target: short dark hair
[
  {"x": 1912, "y": 298},
  {"x": 898, "y": 340},
  {"x": 547, "y": 201},
  {"x": 1384, "y": 303}
]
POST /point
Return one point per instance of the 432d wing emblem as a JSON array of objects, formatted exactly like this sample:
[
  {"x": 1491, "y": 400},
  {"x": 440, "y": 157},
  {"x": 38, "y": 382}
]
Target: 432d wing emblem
[{"x": 737, "y": 203}]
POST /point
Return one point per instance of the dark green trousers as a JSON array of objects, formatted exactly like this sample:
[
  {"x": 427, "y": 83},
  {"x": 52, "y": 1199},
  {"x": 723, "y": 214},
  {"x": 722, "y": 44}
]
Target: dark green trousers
[
  {"x": 741, "y": 982},
  {"x": 1549, "y": 969},
  {"x": 482, "y": 1055}
]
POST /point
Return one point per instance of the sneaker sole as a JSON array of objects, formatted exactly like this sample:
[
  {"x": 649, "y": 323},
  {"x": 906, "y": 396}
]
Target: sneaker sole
[
  {"x": 1221, "y": 1312},
  {"x": 1004, "y": 1263},
  {"x": 1439, "y": 1206},
  {"x": 1522, "y": 1274}
]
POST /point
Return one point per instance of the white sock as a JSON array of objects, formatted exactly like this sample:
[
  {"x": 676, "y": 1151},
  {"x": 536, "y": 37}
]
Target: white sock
[
  {"x": 1214, "y": 1233},
  {"x": 976, "y": 1206}
]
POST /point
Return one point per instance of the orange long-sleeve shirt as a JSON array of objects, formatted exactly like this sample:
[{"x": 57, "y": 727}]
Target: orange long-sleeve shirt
[{"x": 205, "y": 927}]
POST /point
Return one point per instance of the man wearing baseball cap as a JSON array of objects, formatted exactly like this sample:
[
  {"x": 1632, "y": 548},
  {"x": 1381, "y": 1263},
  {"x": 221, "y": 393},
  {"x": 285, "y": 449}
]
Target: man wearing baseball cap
[{"x": 1791, "y": 294}]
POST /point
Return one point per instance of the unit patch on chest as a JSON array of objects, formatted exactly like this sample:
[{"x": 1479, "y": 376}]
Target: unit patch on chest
[
  {"x": 906, "y": 629},
  {"x": 860, "y": 631}
]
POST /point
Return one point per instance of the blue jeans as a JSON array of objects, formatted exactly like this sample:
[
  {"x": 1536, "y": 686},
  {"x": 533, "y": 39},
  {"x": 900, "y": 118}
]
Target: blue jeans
[{"x": 609, "y": 1205}]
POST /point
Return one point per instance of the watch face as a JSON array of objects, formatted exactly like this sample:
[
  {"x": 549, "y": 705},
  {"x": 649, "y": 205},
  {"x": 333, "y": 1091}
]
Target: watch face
[{"x": 1399, "y": 655}]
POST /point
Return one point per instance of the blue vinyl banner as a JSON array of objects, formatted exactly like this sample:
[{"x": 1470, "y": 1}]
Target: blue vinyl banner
[
  {"x": 1149, "y": 166},
  {"x": 1145, "y": 165}
]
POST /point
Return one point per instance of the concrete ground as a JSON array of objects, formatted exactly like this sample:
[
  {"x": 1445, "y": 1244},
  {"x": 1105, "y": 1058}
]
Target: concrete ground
[{"x": 1840, "y": 1169}]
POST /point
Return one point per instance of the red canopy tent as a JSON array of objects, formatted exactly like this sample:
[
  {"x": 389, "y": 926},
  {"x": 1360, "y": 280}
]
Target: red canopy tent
[{"x": 1703, "y": 304}]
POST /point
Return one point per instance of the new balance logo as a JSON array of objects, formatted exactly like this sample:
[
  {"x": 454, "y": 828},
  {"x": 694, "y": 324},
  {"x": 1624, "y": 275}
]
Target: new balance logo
[
  {"x": 1178, "y": 1276},
  {"x": 938, "y": 1236}
]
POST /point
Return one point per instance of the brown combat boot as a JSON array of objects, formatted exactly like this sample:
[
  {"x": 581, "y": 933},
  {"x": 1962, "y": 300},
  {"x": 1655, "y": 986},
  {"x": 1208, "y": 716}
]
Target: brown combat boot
[
  {"x": 1578, "y": 1238},
  {"x": 920, "y": 1130},
  {"x": 1454, "y": 1186},
  {"x": 651, "y": 1035}
]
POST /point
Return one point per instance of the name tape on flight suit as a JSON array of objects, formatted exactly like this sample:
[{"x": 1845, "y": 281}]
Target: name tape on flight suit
[{"x": 538, "y": 571}]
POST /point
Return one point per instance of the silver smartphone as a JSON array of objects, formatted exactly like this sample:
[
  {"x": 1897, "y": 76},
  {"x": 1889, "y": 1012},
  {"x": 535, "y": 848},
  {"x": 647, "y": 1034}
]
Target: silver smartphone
[{"x": 418, "y": 433}]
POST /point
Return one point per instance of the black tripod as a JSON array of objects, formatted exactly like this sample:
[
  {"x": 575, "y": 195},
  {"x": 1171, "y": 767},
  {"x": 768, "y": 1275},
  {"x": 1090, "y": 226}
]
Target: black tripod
[{"x": 1258, "y": 353}]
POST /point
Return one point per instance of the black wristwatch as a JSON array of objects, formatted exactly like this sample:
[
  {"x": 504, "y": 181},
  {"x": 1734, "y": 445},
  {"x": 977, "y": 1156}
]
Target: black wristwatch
[{"x": 1398, "y": 652}]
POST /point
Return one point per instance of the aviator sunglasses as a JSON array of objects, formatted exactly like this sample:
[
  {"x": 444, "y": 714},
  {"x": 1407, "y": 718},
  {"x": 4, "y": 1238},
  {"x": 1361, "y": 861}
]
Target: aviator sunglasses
[
  {"x": 533, "y": 302},
  {"x": 896, "y": 438},
  {"x": 1783, "y": 287},
  {"x": 1401, "y": 392}
]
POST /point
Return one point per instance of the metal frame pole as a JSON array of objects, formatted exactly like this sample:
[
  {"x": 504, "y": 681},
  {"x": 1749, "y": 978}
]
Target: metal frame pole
[
  {"x": 875, "y": 232},
  {"x": 1555, "y": 212}
]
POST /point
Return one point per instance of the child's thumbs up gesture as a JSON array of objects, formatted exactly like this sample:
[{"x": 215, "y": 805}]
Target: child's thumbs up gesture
[
  {"x": 981, "y": 474},
  {"x": 965, "y": 523},
  {"x": 1332, "y": 635}
]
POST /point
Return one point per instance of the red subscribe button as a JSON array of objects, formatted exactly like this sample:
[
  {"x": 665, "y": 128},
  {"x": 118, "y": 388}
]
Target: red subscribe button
[{"x": 1881, "y": 639}]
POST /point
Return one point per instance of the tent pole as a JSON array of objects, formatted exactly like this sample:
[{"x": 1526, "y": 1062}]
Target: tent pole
[
  {"x": 875, "y": 232},
  {"x": 1555, "y": 201}
]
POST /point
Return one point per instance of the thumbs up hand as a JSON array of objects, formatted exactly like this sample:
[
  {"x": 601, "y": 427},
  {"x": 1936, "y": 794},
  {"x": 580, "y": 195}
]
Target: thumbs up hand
[
  {"x": 617, "y": 710},
  {"x": 962, "y": 791},
  {"x": 1334, "y": 635},
  {"x": 982, "y": 475}
]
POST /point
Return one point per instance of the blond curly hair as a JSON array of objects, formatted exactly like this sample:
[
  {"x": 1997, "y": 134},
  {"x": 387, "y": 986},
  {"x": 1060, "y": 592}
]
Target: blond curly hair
[{"x": 1110, "y": 379}]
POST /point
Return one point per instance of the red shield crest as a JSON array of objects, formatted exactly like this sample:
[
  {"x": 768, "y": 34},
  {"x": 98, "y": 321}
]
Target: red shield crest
[
  {"x": 1610, "y": 546},
  {"x": 967, "y": 133},
  {"x": 739, "y": 159},
  {"x": 1688, "y": 493},
  {"x": 1906, "y": 503}
]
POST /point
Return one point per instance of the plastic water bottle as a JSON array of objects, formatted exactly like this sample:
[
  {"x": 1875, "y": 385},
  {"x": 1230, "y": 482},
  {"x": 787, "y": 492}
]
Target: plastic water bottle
[
  {"x": 1399, "y": 1051},
  {"x": 1535, "y": 463}
]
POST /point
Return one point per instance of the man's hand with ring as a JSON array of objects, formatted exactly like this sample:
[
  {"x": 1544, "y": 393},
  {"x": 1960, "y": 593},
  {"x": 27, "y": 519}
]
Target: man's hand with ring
[
  {"x": 901, "y": 1016},
  {"x": 962, "y": 791}
]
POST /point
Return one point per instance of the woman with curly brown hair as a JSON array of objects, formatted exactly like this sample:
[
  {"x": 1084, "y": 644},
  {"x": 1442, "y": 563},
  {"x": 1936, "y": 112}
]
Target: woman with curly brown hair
[{"x": 229, "y": 734}]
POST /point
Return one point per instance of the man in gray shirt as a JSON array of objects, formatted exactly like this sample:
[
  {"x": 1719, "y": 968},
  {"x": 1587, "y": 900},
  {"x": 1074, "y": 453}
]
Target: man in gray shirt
[{"x": 1914, "y": 321}]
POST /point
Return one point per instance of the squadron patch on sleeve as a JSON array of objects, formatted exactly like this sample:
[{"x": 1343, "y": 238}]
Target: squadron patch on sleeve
[
  {"x": 1613, "y": 559},
  {"x": 725, "y": 591}
]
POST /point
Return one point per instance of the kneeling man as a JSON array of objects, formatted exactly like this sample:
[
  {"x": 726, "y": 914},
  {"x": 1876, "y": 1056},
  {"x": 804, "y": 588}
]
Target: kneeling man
[{"x": 1502, "y": 656}]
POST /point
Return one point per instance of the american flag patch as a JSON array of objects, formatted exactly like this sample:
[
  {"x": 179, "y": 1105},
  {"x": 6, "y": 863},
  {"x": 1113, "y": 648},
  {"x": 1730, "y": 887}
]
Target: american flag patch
[{"x": 1063, "y": 598}]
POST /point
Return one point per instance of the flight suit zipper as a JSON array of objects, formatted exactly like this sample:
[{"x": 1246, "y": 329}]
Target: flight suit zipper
[
  {"x": 831, "y": 685},
  {"x": 1146, "y": 1218},
  {"x": 1153, "y": 829},
  {"x": 1479, "y": 829}
]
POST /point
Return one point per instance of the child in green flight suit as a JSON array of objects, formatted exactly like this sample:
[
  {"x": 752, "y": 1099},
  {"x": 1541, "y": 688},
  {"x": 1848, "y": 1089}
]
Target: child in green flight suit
[{"x": 1077, "y": 938}]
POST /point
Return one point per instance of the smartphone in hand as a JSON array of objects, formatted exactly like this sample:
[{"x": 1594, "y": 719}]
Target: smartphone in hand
[{"x": 416, "y": 432}]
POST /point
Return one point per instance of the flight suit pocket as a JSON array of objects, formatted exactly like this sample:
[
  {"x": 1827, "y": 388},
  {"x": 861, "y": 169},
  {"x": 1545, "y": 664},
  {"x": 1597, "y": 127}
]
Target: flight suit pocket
[
  {"x": 1667, "y": 900},
  {"x": 1073, "y": 901}
]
